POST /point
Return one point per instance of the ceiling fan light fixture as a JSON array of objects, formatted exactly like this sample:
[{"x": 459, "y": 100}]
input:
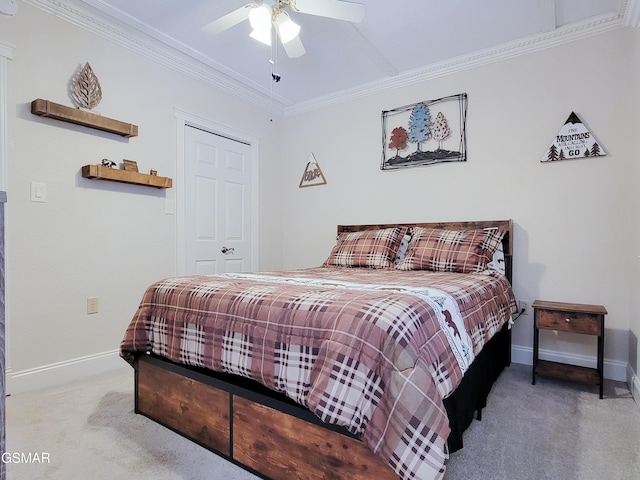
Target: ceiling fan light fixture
[
  {"x": 260, "y": 17},
  {"x": 287, "y": 29},
  {"x": 263, "y": 36},
  {"x": 260, "y": 20},
  {"x": 264, "y": 15}
]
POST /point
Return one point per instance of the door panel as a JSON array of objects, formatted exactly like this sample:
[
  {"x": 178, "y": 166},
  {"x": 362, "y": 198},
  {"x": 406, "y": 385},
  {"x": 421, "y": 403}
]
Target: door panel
[
  {"x": 218, "y": 189},
  {"x": 234, "y": 199}
]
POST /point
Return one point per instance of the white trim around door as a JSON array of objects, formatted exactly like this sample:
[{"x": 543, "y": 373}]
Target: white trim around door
[{"x": 184, "y": 119}]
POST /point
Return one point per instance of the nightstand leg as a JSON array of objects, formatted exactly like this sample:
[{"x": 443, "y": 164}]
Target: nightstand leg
[
  {"x": 601, "y": 362},
  {"x": 536, "y": 334}
]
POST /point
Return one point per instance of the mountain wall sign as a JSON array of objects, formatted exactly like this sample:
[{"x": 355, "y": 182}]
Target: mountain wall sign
[{"x": 574, "y": 140}]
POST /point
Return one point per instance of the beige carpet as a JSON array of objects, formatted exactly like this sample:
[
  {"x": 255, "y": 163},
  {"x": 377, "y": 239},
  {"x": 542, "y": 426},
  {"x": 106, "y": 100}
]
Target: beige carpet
[
  {"x": 90, "y": 432},
  {"x": 552, "y": 430}
]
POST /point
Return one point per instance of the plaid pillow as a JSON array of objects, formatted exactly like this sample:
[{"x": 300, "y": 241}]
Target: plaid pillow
[
  {"x": 367, "y": 248},
  {"x": 464, "y": 251}
]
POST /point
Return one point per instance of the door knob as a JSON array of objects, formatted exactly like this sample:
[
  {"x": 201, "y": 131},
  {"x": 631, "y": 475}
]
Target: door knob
[{"x": 226, "y": 250}]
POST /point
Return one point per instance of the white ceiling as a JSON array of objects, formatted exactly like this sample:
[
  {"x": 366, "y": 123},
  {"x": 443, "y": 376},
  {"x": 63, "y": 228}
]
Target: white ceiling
[{"x": 397, "y": 40}]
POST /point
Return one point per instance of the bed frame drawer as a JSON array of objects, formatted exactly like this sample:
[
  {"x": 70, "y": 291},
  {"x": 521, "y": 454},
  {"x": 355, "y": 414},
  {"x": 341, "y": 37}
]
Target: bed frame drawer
[
  {"x": 194, "y": 409},
  {"x": 246, "y": 428},
  {"x": 269, "y": 442}
]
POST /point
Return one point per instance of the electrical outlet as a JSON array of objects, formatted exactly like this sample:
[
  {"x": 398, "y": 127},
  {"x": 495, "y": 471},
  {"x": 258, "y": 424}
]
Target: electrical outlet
[
  {"x": 523, "y": 307},
  {"x": 92, "y": 305}
]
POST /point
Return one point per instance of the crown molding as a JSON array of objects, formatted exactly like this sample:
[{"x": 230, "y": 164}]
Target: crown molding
[
  {"x": 81, "y": 14},
  {"x": 178, "y": 57},
  {"x": 534, "y": 43}
]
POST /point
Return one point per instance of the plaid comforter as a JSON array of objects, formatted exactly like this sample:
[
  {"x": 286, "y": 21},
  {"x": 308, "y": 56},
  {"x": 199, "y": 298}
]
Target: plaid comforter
[{"x": 370, "y": 350}]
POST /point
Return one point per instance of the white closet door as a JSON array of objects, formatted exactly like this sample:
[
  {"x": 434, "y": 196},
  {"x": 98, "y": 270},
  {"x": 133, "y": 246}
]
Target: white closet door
[{"x": 218, "y": 200}]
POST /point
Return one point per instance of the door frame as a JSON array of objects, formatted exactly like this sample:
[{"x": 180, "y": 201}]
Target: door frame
[{"x": 183, "y": 120}]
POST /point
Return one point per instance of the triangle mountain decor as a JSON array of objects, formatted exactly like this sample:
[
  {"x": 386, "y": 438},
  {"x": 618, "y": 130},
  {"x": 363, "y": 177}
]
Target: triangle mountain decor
[
  {"x": 574, "y": 140},
  {"x": 312, "y": 175}
]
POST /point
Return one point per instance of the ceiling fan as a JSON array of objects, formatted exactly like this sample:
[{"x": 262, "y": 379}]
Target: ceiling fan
[{"x": 268, "y": 15}]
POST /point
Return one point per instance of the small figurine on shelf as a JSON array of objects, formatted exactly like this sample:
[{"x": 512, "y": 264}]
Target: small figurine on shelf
[
  {"x": 108, "y": 163},
  {"x": 153, "y": 172}
]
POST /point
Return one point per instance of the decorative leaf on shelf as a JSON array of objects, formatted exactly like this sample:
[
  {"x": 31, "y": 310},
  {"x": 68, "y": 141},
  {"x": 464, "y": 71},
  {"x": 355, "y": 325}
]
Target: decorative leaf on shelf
[{"x": 85, "y": 88}]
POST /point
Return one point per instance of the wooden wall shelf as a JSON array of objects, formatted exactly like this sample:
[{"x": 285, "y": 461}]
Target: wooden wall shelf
[
  {"x": 45, "y": 108},
  {"x": 100, "y": 172}
]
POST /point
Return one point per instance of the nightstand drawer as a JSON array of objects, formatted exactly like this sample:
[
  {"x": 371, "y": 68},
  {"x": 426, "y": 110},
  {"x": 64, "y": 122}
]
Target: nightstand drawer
[{"x": 575, "y": 322}]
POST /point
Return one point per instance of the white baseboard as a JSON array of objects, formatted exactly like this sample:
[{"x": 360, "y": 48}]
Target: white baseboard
[
  {"x": 613, "y": 369},
  {"x": 62, "y": 372}
]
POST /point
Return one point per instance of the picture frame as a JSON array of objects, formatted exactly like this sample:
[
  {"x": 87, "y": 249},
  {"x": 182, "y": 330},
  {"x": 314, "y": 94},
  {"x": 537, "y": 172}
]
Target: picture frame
[{"x": 436, "y": 127}]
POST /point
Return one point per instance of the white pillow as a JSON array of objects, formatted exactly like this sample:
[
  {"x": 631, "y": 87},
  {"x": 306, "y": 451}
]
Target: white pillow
[{"x": 497, "y": 263}]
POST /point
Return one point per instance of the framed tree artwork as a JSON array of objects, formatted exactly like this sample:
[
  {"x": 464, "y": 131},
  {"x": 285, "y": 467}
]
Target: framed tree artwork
[{"x": 425, "y": 133}]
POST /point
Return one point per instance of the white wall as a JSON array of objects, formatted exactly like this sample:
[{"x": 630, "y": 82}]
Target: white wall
[
  {"x": 109, "y": 240},
  {"x": 96, "y": 238},
  {"x": 634, "y": 219},
  {"x": 571, "y": 218}
]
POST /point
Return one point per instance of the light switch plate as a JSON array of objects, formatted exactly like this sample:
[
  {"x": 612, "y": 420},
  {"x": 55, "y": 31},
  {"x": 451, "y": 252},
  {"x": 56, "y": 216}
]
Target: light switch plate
[
  {"x": 38, "y": 192},
  {"x": 169, "y": 206}
]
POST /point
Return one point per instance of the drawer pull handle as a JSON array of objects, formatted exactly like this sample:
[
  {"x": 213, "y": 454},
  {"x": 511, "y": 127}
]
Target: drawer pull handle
[{"x": 568, "y": 320}]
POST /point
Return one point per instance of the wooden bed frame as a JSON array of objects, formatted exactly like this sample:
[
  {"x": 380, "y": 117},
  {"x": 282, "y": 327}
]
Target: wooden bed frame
[{"x": 268, "y": 434}]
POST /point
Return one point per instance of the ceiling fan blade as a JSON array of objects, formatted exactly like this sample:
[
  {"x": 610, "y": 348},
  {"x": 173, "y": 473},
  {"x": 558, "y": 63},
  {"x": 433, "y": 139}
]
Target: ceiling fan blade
[
  {"x": 227, "y": 21},
  {"x": 341, "y": 10},
  {"x": 294, "y": 48}
]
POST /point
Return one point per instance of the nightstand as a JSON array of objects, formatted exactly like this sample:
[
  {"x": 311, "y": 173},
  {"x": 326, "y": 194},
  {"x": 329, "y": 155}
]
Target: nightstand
[{"x": 574, "y": 318}]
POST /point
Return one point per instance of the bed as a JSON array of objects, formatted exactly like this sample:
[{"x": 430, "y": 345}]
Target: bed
[{"x": 371, "y": 365}]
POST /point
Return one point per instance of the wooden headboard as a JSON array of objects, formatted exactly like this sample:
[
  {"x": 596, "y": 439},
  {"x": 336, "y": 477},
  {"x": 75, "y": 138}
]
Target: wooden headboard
[{"x": 506, "y": 225}]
